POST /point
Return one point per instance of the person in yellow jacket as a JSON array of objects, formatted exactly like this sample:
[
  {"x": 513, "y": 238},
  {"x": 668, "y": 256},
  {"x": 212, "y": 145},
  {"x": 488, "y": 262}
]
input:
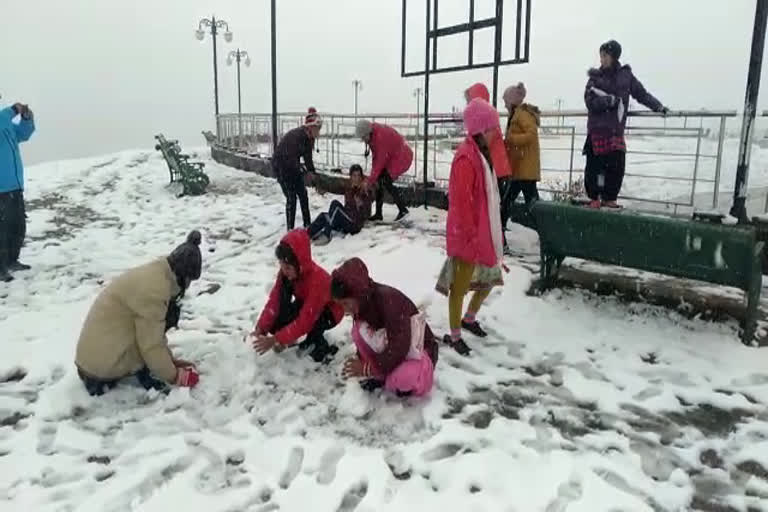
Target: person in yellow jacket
[
  {"x": 522, "y": 142},
  {"x": 124, "y": 331}
]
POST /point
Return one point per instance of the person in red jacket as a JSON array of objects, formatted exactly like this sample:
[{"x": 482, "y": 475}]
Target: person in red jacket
[
  {"x": 299, "y": 304},
  {"x": 473, "y": 229},
  {"x": 396, "y": 349},
  {"x": 392, "y": 157}
]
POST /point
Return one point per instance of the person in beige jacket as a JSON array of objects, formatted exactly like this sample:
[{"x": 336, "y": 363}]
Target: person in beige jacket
[{"x": 124, "y": 331}]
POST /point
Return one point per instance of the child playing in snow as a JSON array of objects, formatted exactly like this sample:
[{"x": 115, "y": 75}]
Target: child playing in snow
[
  {"x": 473, "y": 229},
  {"x": 299, "y": 304},
  {"x": 124, "y": 332},
  {"x": 349, "y": 217},
  {"x": 395, "y": 347}
]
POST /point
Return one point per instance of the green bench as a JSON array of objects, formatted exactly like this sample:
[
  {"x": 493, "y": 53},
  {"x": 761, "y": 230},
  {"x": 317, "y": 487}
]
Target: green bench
[
  {"x": 190, "y": 174},
  {"x": 719, "y": 254}
]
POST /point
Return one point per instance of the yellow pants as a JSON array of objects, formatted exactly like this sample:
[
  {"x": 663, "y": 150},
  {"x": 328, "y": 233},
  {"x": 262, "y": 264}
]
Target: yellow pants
[{"x": 462, "y": 277}]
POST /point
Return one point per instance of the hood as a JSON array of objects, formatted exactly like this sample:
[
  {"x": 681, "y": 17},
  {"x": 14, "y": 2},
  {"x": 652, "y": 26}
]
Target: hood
[
  {"x": 298, "y": 241},
  {"x": 533, "y": 110},
  {"x": 354, "y": 275},
  {"x": 480, "y": 116},
  {"x": 477, "y": 90}
]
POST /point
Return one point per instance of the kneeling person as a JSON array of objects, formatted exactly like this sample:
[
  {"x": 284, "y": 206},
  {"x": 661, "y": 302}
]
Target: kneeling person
[
  {"x": 300, "y": 302},
  {"x": 395, "y": 347},
  {"x": 124, "y": 332}
]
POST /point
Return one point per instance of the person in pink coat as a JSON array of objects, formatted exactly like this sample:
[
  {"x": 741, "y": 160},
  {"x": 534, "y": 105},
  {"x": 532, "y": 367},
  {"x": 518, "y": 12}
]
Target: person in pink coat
[
  {"x": 392, "y": 157},
  {"x": 473, "y": 228}
]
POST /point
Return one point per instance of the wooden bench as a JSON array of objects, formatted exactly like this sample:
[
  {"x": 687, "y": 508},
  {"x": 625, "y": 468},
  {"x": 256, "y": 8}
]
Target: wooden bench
[{"x": 704, "y": 251}]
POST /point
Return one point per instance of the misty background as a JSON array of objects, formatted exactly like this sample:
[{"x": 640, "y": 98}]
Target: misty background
[{"x": 107, "y": 75}]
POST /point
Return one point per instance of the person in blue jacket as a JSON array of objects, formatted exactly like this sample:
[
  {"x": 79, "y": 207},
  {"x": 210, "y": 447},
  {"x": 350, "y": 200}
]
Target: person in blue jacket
[{"x": 13, "y": 221}]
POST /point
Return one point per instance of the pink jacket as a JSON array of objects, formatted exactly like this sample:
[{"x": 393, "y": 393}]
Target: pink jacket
[
  {"x": 468, "y": 229},
  {"x": 390, "y": 152}
]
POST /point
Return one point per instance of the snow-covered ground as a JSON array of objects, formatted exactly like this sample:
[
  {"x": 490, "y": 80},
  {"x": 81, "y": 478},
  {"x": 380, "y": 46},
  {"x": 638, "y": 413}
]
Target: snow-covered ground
[{"x": 574, "y": 403}]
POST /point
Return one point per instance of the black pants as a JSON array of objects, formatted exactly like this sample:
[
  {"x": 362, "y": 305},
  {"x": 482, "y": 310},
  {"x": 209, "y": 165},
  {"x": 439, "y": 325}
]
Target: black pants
[
  {"x": 97, "y": 387},
  {"x": 385, "y": 183},
  {"x": 603, "y": 174},
  {"x": 336, "y": 219},
  {"x": 509, "y": 189},
  {"x": 289, "y": 309},
  {"x": 292, "y": 183},
  {"x": 13, "y": 226}
]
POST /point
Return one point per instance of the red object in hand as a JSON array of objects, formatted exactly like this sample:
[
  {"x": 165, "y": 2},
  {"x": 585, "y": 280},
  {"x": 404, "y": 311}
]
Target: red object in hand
[{"x": 187, "y": 377}]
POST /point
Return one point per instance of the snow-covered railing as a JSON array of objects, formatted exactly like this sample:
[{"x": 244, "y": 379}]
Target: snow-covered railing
[{"x": 674, "y": 162}]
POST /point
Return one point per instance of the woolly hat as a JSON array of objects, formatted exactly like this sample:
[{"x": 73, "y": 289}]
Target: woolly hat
[
  {"x": 479, "y": 117},
  {"x": 515, "y": 94},
  {"x": 186, "y": 260},
  {"x": 363, "y": 128},
  {"x": 612, "y": 48},
  {"x": 313, "y": 118}
]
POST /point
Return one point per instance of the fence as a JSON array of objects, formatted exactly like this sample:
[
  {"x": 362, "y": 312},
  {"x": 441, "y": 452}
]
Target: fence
[{"x": 674, "y": 162}]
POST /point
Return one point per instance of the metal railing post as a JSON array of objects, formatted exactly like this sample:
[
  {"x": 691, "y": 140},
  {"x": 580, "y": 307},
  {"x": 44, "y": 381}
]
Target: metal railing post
[
  {"x": 719, "y": 162},
  {"x": 696, "y": 169}
]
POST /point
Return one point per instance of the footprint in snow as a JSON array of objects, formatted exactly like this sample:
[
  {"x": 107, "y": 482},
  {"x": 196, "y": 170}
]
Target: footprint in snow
[
  {"x": 567, "y": 493},
  {"x": 295, "y": 460},
  {"x": 353, "y": 497},
  {"x": 328, "y": 462}
]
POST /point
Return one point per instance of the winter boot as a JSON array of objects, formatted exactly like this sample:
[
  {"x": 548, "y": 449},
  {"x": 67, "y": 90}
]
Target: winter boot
[
  {"x": 5, "y": 276},
  {"x": 458, "y": 345},
  {"x": 378, "y": 217},
  {"x": 402, "y": 214},
  {"x": 306, "y": 344},
  {"x": 474, "y": 328},
  {"x": 611, "y": 204},
  {"x": 323, "y": 352},
  {"x": 18, "y": 266},
  {"x": 371, "y": 385}
]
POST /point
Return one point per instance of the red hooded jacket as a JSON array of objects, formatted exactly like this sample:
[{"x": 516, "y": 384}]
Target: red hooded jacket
[
  {"x": 384, "y": 307},
  {"x": 390, "y": 152},
  {"x": 477, "y": 90},
  {"x": 313, "y": 288}
]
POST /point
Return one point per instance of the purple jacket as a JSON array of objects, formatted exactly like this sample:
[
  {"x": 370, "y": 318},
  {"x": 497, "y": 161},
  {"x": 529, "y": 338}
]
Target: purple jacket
[{"x": 608, "y": 112}]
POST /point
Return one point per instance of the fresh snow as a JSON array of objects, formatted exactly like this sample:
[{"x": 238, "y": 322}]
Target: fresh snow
[{"x": 574, "y": 402}]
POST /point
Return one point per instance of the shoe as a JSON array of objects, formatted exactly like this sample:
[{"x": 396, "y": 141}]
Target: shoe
[
  {"x": 371, "y": 385},
  {"x": 594, "y": 204},
  {"x": 17, "y": 266},
  {"x": 458, "y": 345},
  {"x": 5, "y": 276},
  {"x": 376, "y": 218},
  {"x": 474, "y": 328},
  {"x": 306, "y": 345},
  {"x": 402, "y": 215},
  {"x": 611, "y": 204},
  {"x": 321, "y": 240},
  {"x": 323, "y": 352}
]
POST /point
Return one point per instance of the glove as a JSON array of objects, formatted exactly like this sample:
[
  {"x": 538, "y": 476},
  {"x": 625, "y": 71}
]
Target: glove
[
  {"x": 187, "y": 377},
  {"x": 663, "y": 110}
]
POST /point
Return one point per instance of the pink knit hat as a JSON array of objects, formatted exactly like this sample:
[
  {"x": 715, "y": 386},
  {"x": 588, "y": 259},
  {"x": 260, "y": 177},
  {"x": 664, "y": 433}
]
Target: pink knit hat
[{"x": 480, "y": 116}]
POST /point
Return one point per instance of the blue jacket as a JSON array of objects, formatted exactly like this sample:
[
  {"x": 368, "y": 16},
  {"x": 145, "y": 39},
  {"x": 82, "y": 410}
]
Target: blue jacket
[{"x": 11, "y": 168}]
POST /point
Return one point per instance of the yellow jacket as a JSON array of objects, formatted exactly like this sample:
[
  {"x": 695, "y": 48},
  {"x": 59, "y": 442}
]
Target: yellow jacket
[{"x": 522, "y": 142}]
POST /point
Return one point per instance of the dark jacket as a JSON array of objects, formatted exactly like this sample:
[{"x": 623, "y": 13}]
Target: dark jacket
[
  {"x": 357, "y": 203},
  {"x": 294, "y": 145},
  {"x": 384, "y": 307},
  {"x": 312, "y": 288},
  {"x": 618, "y": 82}
]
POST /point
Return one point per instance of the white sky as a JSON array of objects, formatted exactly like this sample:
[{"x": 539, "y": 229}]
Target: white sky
[{"x": 105, "y": 75}]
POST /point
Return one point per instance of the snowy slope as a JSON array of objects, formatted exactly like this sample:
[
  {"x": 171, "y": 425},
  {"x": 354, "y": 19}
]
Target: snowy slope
[{"x": 574, "y": 403}]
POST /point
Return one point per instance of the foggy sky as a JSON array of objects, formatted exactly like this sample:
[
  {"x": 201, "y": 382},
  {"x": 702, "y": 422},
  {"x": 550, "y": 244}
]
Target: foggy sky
[{"x": 106, "y": 75}]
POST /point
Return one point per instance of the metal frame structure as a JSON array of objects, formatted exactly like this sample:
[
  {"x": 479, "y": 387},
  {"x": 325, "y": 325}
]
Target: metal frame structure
[{"x": 433, "y": 32}]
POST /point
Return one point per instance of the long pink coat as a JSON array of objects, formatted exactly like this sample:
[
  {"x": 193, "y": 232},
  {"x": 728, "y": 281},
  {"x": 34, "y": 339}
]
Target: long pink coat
[
  {"x": 390, "y": 152},
  {"x": 468, "y": 228}
]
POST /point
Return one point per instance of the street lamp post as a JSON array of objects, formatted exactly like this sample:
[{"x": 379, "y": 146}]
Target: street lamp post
[
  {"x": 214, "y": 25},
  {"x": 358, "y": 86},
  {"x": 239, "y": 55}
]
